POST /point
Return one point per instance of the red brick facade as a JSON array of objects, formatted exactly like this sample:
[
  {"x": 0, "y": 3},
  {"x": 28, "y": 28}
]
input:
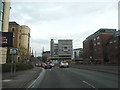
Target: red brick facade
[
  {"x": 113, "y": 48},
  {"x": 95, "y": 46}
]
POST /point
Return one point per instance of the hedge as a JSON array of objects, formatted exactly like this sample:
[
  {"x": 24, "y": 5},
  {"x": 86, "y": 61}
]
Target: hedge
[{"x": 19, "y": 66}]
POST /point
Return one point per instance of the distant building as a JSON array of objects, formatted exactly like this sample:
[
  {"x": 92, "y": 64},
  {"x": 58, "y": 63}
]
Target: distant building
[
  {"x": 62, "y": 50},
  {"x": 55, "y": 53},
  {"x": 94, "y": 46},
  {"x": 78, "y": 54},
  {"x": 4, "y": 22},
  {"x": 45, "y": 56},
  {"x": 65, "y": 48},
  {"x": 51, "y": 47}
]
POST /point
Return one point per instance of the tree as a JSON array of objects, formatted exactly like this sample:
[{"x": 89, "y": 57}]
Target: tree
[{"x": 24, "y": 54}]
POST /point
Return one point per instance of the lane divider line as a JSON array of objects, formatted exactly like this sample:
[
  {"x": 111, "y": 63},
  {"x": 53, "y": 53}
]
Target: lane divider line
[{"x": 89, "y": 84}]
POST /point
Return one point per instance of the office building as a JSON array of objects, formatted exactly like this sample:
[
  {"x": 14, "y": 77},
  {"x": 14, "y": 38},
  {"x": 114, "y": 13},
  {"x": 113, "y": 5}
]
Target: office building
[{"x": 63, "y": 50}]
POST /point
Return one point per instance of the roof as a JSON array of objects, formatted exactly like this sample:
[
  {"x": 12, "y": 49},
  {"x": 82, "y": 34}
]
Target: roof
[
  {"x": 13, "y": 23},
  {"x": 101, "y": 30}
]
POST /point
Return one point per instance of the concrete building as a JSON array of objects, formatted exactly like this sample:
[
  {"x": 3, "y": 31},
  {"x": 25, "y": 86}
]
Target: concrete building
[
  {"x": 55, "y": 46},
  {"x": 52, "y": 48},
  {"x": 65, "y": 48},
  {"x": 94, "y": 45},
  {"x": 4, "y": 21},
  {"x": 21, "y": 40},
  {"x": 62, "y": 50}
]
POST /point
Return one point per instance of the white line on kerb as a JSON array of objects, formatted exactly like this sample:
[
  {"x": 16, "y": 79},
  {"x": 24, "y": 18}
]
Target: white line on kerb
[
  {"x": 89, "y": 84},
  {"x": 40, "y": 76}
]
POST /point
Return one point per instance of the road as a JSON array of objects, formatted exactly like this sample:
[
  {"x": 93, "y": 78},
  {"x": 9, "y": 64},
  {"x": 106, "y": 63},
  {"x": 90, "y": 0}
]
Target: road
[{"x": 75, "y": 78}]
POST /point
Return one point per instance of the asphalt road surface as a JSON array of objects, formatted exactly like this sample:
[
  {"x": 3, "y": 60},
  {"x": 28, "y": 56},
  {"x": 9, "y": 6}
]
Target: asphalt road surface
[{"x": 74, "y": 78}]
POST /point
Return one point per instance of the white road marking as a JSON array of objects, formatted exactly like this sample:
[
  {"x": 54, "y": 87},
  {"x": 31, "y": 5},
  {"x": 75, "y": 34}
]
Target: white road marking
[
  {"x": 7, "y": 80},
  {"x": 89, "y": 84},
  {"x": 40, "y": 78}
]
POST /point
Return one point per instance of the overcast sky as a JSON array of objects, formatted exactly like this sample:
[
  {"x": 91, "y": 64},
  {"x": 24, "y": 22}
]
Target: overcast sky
[{"x": 63, "y": 20}]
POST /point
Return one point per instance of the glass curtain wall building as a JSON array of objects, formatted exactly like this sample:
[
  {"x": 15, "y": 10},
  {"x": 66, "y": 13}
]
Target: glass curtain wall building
[{"x": 1, "y": 14}]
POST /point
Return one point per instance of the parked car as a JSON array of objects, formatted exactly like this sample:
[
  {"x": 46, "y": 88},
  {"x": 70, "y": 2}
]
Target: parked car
[{"x": 64, "y": 64}]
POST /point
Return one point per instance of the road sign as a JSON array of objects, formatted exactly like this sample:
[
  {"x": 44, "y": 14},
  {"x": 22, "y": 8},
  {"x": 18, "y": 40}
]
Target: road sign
[
  {"x": 6, "y": 39},
  {"x": 14, "y": 51}
]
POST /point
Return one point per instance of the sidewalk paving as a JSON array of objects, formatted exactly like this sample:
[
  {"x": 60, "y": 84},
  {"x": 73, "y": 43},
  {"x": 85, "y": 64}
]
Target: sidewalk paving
[{"x": 20, "y": 79}]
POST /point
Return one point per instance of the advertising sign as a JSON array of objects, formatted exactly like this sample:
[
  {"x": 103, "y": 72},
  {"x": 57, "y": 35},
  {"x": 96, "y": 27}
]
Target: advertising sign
[
  {"x": 66, "y": 48},
  {"x": 6, "y": 39}
]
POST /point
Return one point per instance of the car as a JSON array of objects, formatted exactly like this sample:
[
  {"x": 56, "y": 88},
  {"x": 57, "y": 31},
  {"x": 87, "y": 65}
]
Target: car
[
  {"x": 47, "y": 65},
  {"x": 64, "y": 64},
  {"x": 37, "y": 65},
  {"x": 52, "y": 64}
]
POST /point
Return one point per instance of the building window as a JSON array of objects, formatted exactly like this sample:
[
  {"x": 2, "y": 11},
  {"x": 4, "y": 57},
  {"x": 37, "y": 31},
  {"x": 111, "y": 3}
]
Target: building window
[
  {"x": 98, "y": 43},
  {"x": 19, "y": 37},
  {"x": 94, "y": 39},
  {"x": 94, "y": 44},
  {"x": 115, "y": 41},
  {"x": 110, "y": 42},
  {"x": 13, "y": 29},
  {"x": 95, "y": 50},
  {"x": 98, "y": 37}
]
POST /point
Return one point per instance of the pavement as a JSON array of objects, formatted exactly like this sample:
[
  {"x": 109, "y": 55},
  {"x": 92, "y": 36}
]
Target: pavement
[{"x": 21, "y": 79}]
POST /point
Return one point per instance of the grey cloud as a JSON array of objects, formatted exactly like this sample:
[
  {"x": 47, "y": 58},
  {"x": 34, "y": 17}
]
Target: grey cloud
[{"x": 40, "y": 41}]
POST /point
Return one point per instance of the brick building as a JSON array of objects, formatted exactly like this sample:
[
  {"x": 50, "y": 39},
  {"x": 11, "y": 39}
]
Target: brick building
[
  {"x": 88, "y": 49},
  {"x": 21, "y": 40},
  {"x": 113, "y": 48},
  {"x": 95, "y": 45}
]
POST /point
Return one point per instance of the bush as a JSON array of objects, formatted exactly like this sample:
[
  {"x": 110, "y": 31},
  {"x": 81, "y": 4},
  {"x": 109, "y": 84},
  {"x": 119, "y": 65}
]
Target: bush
[
  {"x": 6, "y": 67},
  {"x": 19, "y": 66}
]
